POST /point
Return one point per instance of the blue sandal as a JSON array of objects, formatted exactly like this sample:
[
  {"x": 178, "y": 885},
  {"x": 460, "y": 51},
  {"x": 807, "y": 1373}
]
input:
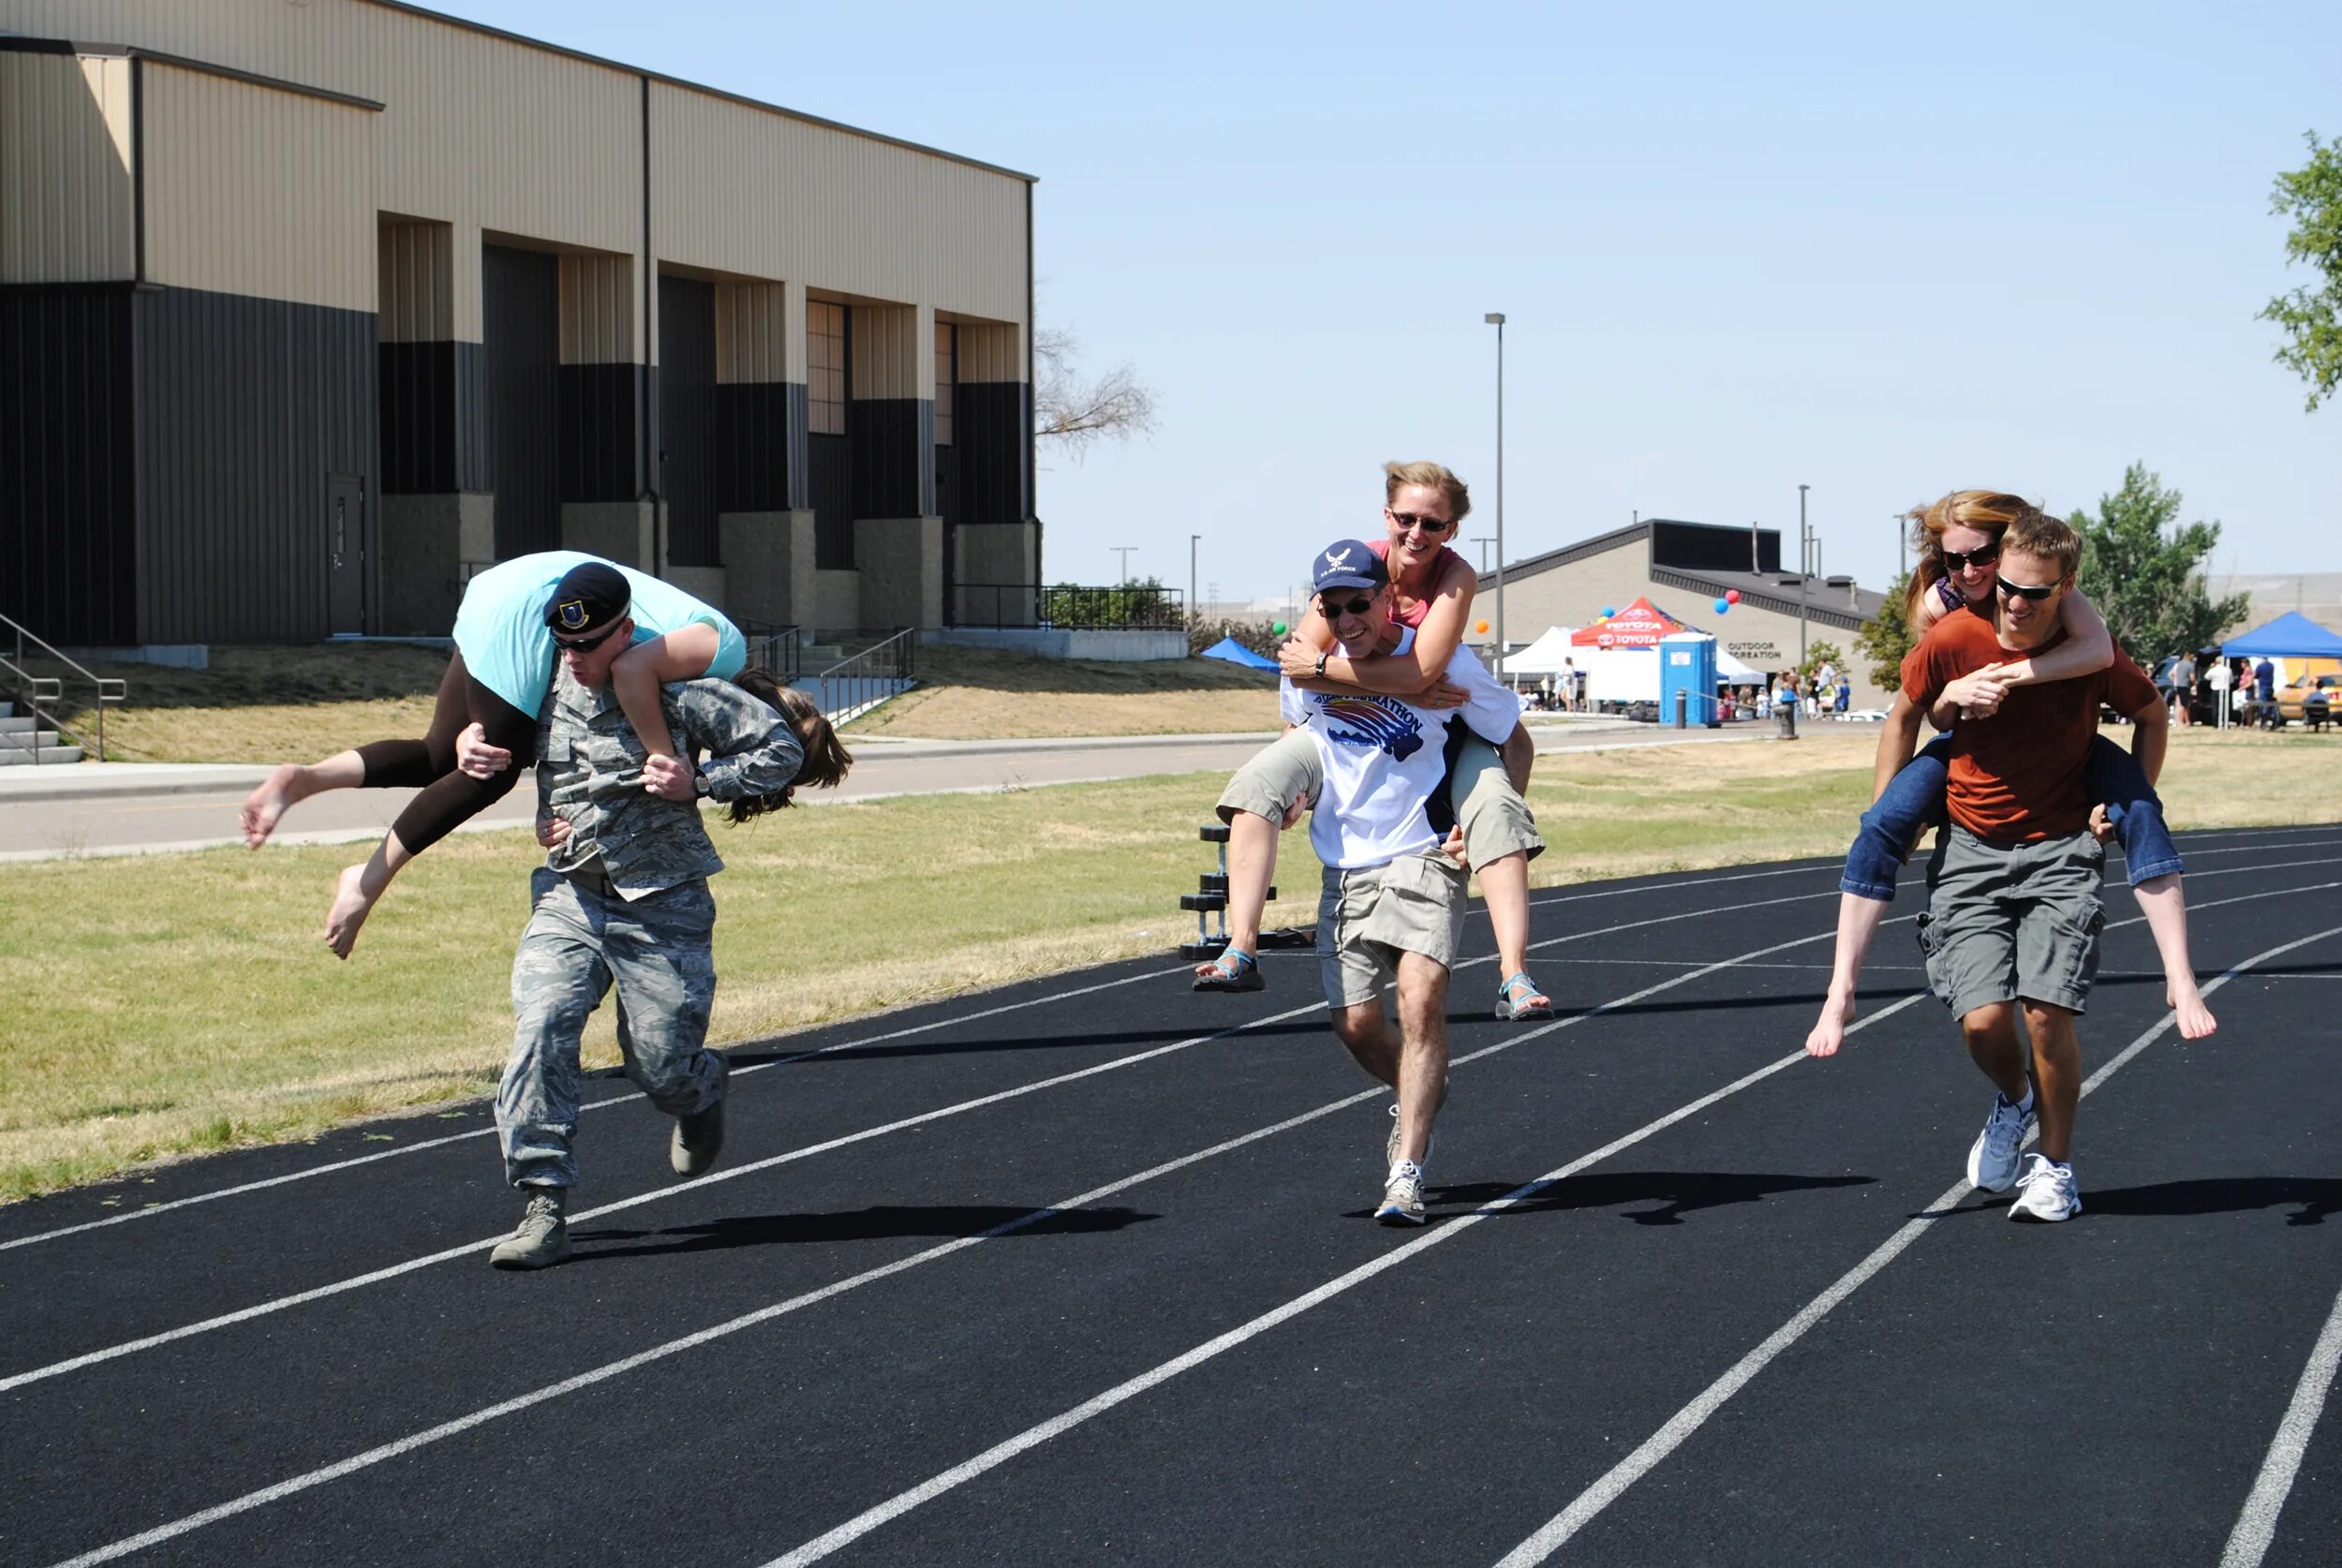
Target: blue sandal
[
  {"x": 1518, "y": 998},
  {"x": 1235, "y": 970}
]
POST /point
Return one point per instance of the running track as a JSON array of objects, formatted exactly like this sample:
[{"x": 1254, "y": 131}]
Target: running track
[{"x": 1080, "y": 1271}]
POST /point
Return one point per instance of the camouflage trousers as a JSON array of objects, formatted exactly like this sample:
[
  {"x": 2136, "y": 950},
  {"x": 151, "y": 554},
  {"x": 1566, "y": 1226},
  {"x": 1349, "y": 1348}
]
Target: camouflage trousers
[{"x": 581, "y": 937}]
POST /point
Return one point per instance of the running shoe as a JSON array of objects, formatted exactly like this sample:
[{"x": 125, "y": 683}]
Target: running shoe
[
  {"x": 2046, "y": 1191},
  {"x": 542, "y": 1237},
  {"x": 1992, "y": 1159},
  {"x": 1390, "y": 1145},
  {"x": 1402, "y": 1195}
]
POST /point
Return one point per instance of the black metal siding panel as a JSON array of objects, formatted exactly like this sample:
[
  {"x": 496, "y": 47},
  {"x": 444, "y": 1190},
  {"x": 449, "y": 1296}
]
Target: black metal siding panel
[
  {"x": 1706, "y": 547},
  {"x": 759, "y": 446},
  {"x": 245, "y": 407},
  {"x": 831, "y": 493},
  {"x": 433, "y": 426},
  {"x": 599, "y": 431},
  {"x": 690, "y": 469},
  {"x": 993, "y": 441},
  {"x": 521, "y": 366},
  {"x": 894, "y": 457},
  {"x": 69, "y": 470}
]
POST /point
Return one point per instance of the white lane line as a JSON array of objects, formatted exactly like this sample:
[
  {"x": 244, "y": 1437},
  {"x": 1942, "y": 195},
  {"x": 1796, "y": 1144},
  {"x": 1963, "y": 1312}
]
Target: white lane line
[
  {"x": 586, "y": 1380},
  {"x": 2256, "y": 1526},
  {"x": 1033, "y": 1437},
  {"x": 629, "y": 1098},
  {"x": 1557, "y": 1530},
  {"x": 393, "y": 1271}
]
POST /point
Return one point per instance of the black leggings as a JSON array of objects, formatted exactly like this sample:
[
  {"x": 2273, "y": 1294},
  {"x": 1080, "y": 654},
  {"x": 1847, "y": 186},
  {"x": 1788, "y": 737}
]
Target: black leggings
[{"x": 450, "y": 797}]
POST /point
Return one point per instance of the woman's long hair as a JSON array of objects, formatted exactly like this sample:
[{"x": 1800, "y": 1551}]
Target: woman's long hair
[
  {"x": 826, "y": 759},
  {"x": 1989, "y": 511}
]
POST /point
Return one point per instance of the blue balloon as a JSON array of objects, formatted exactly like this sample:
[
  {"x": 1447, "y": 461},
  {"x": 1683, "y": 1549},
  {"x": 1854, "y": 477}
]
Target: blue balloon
[
  {"x": 1721, "y": 605},
  {"x": 1607, "y": 611}
]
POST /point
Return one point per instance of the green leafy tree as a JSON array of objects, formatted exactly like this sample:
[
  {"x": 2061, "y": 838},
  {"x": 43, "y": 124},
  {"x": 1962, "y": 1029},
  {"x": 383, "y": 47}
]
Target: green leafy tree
[
  {"x": 2311, "y": 317},
  {"x": 1887, "y": 636},
  {"x": 1819, "y": 655},
  {"x": 2143, "y": 569}
]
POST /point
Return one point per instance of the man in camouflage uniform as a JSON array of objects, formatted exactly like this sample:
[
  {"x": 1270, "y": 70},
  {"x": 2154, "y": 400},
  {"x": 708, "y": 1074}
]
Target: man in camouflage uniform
[{"x": 623, "y": 896}]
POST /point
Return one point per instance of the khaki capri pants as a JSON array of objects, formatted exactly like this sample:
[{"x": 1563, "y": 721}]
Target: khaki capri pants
[{"x": 1496, "y": 820}]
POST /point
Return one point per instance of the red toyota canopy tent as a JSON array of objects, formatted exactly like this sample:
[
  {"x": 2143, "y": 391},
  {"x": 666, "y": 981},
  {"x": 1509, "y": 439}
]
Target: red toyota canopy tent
[{"x": 1637, "y": 626}]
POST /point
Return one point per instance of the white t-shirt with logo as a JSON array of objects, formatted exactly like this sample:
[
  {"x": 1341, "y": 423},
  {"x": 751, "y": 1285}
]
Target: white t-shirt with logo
[{"x": 1382, "y": 757}]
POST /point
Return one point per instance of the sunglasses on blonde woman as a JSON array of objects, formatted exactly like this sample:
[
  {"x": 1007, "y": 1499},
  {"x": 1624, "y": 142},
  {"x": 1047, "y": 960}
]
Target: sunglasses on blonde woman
[
  {"x": 1960, "y": 560},
  {"x": 1409, "y": 520}
]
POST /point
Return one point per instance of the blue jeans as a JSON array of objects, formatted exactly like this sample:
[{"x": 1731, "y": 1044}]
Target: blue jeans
[{"x": 1915, "y": 799}]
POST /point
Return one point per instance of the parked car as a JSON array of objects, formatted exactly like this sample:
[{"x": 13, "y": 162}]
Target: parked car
[{"x": 2309, "y": 700}]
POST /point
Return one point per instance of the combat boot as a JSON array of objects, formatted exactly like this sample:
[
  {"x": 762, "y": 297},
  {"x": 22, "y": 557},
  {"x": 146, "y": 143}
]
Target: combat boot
[
  {"x": 698, "y": 1139},
  {"x": 543, "y": 1237}
]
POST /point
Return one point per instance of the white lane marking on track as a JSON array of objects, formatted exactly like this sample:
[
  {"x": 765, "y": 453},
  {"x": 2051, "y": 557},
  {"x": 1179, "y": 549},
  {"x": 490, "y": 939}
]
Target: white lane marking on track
[
  {"x": 656, "y": 1353},
  {"x": 330, "y": 1168},
  {"x": 2256, "y": 1526},
  {"x": 593, "y": 1106},
  {"x": 1556, "y": 1532},
  {"x": 657, "y": 1194}
]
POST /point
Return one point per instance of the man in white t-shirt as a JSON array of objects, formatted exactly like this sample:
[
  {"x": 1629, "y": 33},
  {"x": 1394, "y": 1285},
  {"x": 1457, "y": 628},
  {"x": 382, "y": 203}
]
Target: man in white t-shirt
[{"x": 1393, "y": 901}]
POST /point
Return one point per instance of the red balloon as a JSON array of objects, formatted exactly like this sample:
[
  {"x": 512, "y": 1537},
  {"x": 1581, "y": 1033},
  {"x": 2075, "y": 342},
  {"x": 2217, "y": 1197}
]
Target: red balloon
[{"x": 1731, "y": 596}]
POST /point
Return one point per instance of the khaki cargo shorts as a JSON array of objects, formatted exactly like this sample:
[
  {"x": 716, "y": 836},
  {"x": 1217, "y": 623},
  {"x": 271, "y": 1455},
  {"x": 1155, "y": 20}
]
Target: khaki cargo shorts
[
  {"x": 1496, "y": 820},
  {"x": 1366, "y": 919},
  {"x": 2006, "y": 921}
]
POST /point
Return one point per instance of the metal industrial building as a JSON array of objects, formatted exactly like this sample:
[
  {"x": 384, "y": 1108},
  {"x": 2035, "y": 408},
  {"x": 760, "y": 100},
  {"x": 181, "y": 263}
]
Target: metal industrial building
[
  {"x": 1683, "y": 568},
  {"x": 308, "y": 308}
]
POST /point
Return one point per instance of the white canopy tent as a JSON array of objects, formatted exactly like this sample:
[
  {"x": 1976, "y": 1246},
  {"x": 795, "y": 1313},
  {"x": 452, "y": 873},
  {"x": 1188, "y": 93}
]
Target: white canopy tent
[{"x": 1543, "y": 657}]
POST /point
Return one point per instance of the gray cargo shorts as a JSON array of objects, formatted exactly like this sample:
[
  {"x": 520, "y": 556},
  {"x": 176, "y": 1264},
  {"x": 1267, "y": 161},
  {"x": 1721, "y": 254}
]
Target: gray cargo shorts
[
  {"x": 1366, "y": 919},
  {"x": 2006, "y": 921}
]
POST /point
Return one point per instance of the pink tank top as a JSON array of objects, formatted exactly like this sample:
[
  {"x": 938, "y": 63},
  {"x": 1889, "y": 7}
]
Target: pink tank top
[{"x": 1412, "y": 615}]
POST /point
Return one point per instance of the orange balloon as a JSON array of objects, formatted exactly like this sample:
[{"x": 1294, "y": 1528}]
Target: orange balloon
[{"x": 1479, "y": 626}]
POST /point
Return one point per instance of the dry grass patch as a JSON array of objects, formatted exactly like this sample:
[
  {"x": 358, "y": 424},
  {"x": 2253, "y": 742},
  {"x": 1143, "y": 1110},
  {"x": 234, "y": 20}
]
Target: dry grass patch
[{"x": 184, "y": 1002}]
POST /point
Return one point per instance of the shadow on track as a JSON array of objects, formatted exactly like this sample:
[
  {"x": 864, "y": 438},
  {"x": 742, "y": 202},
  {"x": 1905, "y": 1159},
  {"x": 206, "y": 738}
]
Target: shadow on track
[
  {"x": 2318, "y": 1196},
  {"x": 1676, "y": 1192},
  {"x": 943, "y": 1221}
]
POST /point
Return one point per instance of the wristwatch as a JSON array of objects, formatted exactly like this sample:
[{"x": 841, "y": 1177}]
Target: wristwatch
[
  {"x": 698, "y": 783},
  {"x": 1321, "y": 667}
]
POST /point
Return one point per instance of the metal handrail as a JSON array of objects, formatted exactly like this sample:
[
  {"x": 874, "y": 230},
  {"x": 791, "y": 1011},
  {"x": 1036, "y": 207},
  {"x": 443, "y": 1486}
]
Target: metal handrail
[
  {"x": 31, "y": 691},
  {"x": 780, "y": 649},
  {"x": 875, "y": 674}
]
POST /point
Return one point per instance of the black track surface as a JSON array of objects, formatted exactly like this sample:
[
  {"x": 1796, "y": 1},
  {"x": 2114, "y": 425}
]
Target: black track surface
[{"x": 2100, "y": 1392}]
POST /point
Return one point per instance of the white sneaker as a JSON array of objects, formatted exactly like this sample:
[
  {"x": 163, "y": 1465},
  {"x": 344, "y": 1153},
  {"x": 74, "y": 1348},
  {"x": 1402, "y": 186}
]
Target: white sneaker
[
  {"x": 2046, "y": 1192},
  {"x": 1992, "y": 1159},
  {"x": 1402, "y": 1195}
]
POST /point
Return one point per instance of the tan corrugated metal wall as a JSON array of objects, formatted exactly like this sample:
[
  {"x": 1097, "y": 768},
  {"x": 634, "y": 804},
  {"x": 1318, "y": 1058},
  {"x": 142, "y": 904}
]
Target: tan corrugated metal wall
[
  {"x": 598, "y": 310},
  {"x": 990, "y": 351},
  {"x": 752, "y": 335},
  {"x": 893, "y": 352},
  {"x": 65, "y": 196},
  {"x": 417, "y": 265},
  {"x": 257, "y": 192}
]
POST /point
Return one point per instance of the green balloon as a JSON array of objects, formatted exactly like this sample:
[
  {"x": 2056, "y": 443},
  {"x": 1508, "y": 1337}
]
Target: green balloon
[{"x": 1279, "y": 628}]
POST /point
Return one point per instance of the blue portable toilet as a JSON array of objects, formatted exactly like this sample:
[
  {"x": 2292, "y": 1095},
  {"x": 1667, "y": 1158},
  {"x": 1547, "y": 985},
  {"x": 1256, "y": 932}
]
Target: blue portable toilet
[{"x": 1687, "y": 663}]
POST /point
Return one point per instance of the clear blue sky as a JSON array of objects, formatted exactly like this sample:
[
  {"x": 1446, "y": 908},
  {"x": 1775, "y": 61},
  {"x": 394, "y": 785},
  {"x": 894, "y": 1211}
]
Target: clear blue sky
[{"x": 1882, "y": 252}]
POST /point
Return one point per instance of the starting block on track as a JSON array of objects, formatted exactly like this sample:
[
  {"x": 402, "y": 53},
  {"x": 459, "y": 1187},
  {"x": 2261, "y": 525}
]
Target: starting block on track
[{"x": 1210, "y": 901}]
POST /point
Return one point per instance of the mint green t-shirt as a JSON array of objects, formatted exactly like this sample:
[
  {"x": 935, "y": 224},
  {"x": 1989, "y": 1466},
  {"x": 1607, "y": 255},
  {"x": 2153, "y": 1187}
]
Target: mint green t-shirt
[{"x": 501, "y": 628}]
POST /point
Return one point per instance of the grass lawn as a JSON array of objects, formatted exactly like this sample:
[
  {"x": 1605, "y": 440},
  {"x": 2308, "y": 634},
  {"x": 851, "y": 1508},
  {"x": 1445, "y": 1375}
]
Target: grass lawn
[
  {"x": 174, "y": 1003},
  {"x": 299, "y": 704}
]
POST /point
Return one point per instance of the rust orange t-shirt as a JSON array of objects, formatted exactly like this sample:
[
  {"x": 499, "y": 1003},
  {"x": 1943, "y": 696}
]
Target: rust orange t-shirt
[{"x": 2018, "y": 775}]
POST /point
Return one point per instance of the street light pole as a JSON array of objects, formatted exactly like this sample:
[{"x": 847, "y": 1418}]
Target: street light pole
[
  {"x": 1125, "y": 550},
  {"x": 1496, "y": 319},
  {"x": 1193, "y": 608},
  {"x": 1903, "y": 545},
  {"x": 1483, "y": 541},
  {"x": 1804, "y": 570}
]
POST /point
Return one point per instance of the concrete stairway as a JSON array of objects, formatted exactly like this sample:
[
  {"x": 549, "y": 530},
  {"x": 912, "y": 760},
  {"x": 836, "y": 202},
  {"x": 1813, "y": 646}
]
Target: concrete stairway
[{"x": 19, "y": 737}]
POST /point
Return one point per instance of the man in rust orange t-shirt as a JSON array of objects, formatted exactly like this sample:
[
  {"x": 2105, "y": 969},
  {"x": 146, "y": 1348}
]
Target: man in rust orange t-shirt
[{"x": 2013, "y": 913}]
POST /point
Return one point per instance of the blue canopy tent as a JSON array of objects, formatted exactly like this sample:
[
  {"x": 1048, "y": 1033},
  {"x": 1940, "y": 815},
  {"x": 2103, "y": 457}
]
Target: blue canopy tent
[
  {"x": 2292, "y": 635},
  {"x": 1237, "y": 653}
]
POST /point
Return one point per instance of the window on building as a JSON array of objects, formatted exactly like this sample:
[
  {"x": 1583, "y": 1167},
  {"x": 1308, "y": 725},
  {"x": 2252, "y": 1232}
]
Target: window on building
[
  {"x": 824, "y": 368},
  {"x": 946, "y": 378}
]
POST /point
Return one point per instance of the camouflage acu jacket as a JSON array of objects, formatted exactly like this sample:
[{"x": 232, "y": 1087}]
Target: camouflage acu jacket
[{"x": 589, "y": 773}]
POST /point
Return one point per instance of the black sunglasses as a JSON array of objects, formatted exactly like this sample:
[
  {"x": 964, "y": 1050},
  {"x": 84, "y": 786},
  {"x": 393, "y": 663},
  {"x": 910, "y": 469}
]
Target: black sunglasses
[
  {"x": 587, "y": 644},
  {"x": 1355, "y": 607},
  {"x": 1958, "y": 560},
  {"x": 1416, "y": 520},
  {"x": 2017, "y": 590}
]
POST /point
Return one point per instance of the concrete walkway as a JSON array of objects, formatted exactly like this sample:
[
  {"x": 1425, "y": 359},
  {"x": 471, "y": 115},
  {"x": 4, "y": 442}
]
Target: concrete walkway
[{"x": 115, "y": 808}]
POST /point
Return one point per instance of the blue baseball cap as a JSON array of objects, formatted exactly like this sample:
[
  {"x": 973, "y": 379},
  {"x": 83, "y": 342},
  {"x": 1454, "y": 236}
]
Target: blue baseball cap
[{"x": 1347, "y": 563}]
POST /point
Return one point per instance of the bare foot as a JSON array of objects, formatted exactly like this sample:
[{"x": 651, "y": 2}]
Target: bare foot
[
  {"x": 350, "y": 908},
  {"x": 2195, "y": 1019},
  {"x": 1830, "y": 1029},
  {"x": 267, "y": 802}
]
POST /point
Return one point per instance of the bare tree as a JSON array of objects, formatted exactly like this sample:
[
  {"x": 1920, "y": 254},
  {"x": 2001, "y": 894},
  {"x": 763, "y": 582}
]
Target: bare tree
[{"x": 1074, "y": 412}]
